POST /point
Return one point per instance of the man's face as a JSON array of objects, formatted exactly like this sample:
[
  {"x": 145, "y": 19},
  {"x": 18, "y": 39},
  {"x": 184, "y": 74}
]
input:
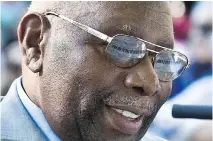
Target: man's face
[{"x": 83, "y": 95}]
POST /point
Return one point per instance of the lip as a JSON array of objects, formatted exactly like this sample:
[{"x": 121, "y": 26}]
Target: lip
[
  {"x": 121, "y": 123},
  {"x": 133, "y": 109},
  {"x": 137, "y": 105}
]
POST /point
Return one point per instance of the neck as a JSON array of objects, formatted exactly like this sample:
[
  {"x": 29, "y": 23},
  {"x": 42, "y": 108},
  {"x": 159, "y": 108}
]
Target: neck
[{"x": 30, "y": 85}]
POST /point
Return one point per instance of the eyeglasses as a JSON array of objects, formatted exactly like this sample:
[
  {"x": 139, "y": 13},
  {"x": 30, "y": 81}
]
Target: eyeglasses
[{"x": 126, "y": 51}]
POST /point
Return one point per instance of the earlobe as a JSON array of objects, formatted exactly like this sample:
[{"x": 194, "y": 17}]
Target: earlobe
[
  {"x": 33, "y": 60},
  {"x": 31, "y": 35}
]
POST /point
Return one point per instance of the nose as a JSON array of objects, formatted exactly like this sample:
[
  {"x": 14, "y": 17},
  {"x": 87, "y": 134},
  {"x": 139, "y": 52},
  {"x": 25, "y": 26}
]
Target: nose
[{"x": 142, "y": 77}]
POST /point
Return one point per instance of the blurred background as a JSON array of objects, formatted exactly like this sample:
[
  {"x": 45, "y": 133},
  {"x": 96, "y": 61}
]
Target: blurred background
[{"x": 193, "y": 37}]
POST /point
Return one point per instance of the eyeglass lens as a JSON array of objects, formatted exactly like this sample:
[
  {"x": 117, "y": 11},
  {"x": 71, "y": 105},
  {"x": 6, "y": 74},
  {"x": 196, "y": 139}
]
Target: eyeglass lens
[
  {"x": 169, "y": 64},
  {"x": 126, "y": 51}
]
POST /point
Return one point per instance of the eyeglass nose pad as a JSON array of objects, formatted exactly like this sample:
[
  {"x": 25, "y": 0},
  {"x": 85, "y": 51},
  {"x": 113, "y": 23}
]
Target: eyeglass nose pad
[{"x": 153, "y": 60}]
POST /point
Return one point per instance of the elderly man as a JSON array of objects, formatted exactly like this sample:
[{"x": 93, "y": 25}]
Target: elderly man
[{"x": 91, "y": 71}]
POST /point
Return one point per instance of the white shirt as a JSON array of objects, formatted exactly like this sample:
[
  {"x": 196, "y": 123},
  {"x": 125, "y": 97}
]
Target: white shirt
[{"x": 36, "y": 113}]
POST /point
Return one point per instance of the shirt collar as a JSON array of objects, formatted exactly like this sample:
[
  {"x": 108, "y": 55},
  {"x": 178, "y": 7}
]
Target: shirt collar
[{"x": 36, "y": 113}]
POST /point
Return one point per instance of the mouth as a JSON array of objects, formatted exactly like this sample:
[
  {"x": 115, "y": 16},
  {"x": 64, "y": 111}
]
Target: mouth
[{"x": 125, "y": 119}]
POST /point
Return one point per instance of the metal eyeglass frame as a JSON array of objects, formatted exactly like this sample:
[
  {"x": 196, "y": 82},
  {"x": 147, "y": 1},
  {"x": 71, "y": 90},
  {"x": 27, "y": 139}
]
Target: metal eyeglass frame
[{"x": 109, "y": 39}]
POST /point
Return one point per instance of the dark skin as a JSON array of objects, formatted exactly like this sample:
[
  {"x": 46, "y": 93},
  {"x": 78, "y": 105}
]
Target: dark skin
[{"x": 66, "y": 73}]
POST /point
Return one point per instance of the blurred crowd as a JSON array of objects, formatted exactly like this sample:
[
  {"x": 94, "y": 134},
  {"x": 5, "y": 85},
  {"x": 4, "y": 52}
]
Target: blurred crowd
[
  {"x": 193, "y": 37},
  {"x": 11, "y": 13}
]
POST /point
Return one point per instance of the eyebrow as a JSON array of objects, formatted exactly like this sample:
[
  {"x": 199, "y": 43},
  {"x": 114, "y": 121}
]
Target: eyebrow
[
  {"x": 125, "y": 28},
  {"x": 98, "y": 33}
]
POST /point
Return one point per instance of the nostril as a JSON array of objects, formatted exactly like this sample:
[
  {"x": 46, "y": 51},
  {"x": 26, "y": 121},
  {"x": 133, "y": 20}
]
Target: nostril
[
  {"x": 148, "y": 91},
  {"x": 138, "y": 89}
]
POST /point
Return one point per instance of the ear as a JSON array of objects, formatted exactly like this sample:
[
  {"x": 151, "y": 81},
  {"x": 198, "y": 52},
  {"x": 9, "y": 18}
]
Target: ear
[{"x": 32, "y": 35}]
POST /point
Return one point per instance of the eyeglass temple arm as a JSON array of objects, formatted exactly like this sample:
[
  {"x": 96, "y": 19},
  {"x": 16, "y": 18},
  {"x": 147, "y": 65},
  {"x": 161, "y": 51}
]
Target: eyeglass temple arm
[
  {"x": 155, "y": 45},
  {"x": 97, "y": 33},
  {"x": 84, "y": 27}
]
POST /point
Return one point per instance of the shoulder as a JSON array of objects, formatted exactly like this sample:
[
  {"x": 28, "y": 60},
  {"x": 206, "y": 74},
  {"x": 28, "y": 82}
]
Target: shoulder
[{"x": 16, "y": 123}]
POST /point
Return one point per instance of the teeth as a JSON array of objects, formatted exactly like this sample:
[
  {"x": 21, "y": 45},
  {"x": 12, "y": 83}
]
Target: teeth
[
  {"x": 119, "y": 111},
  {"x": 127, "y": 114}
]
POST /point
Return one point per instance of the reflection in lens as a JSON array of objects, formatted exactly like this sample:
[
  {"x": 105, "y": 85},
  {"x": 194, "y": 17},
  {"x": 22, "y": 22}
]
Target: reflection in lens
[
  {"x": 125, "y": 51},
  {"x": 169, "y": 65}
]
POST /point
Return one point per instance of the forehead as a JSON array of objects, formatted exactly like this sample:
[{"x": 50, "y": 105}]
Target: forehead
[
  {"x": 150, "y": 21},
  {"x": 156, "y": 30}
]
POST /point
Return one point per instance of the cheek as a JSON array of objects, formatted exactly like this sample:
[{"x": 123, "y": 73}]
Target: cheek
[
  {"x": 166, "y": 88},
  {"x": 71, "y": 76}
]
